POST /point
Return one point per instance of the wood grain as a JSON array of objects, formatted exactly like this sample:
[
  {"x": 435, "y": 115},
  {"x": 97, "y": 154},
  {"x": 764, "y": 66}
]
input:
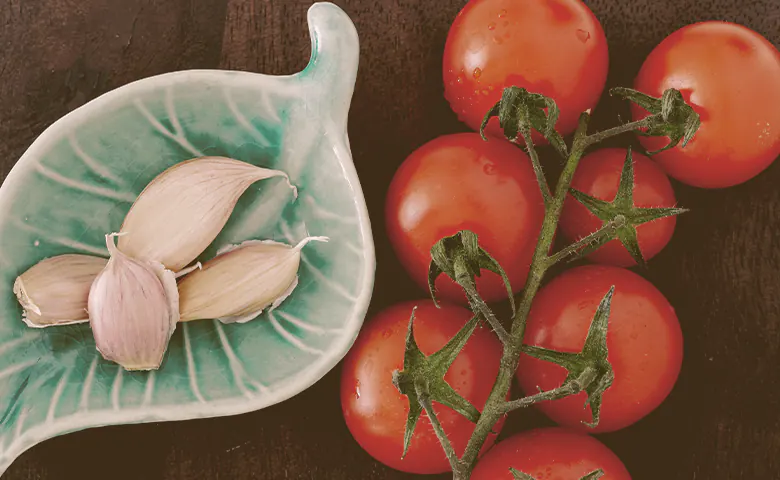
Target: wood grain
[{"x": 721, "y": 270}]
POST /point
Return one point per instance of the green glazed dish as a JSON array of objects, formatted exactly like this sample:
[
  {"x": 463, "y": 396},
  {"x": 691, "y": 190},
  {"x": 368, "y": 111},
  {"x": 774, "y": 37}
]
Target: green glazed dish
[{"x": 78, "y": 180}]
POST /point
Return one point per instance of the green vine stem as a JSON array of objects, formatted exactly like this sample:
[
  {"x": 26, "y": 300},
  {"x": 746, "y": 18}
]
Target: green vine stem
[
  {"x": 595, "y": 239},
  {"x": 571, "y": 387},
  {"x": 494, "y": 408},
  {"x": 540, "y": 178}
]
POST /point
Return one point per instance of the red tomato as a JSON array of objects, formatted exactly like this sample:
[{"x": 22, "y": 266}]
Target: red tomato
[
  {"x": 599, "y": 176},
  {"x": 459, "y": 182},
  {"x": 553, "y": 47},
  {"x": 729, "y": 74},
  {"x": 376, "y": 412},
  {"x": 550, "y": 454},
  {"x": 644, "y": 341}
]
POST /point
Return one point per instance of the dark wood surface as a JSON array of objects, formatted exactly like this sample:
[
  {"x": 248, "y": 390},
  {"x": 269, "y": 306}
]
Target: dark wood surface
[{"x": 721, "y": 271}]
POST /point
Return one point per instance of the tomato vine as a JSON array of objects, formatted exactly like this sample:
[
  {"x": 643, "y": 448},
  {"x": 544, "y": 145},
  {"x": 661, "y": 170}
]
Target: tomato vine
[{"x": 461, "y": 258}]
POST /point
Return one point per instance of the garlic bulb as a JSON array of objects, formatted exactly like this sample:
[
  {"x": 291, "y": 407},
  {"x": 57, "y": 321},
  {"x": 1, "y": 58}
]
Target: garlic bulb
[
  {"x": 55, "y": 290},
  {"x": 184, "y": 208},
  {"x": 133, "y": 310},
  {"x": 243, "y": 280}
]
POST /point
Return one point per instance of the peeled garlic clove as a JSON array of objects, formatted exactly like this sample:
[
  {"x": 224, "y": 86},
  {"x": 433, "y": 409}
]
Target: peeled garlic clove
[
  {"x": 242, "y": 281},
  {"x": 184, "y": 208},
  {"x": 133, "y": 310},
  {"x": 55, "y": 290}
]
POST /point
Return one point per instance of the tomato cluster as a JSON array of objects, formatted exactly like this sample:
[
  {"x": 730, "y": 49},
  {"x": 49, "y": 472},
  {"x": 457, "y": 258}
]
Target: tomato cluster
[{"x": 726, "y": 72}]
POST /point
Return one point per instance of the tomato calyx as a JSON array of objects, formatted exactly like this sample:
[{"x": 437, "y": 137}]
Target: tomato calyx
[
  {"x": 519, "y": 111},
  {"x": 461, "y": 258},
  {"x": 620, "y": 216},
  {"x": 594, "y": 475},
  {"x": 422, "y": 381},
  {"x": 671, "y": 116},
  {"x": 589, "y": 370}
]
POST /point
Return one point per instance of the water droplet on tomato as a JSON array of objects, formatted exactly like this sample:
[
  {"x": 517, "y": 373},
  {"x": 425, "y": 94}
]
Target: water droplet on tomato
[
  {"x": 460, "y": 79},
  {"x": 491, "y": 87},
  {"x": 357, "y": 392},
  {"x": 485, "y": 92},
  {"x": 502, "y": 13},
  {"x": 489, "y": 169},
  {"x": 491, "y": 26},
  {"x": 477, "y": 73},
  {"x": 583, "y": 35},
  {"x": 498, "y": 40}
]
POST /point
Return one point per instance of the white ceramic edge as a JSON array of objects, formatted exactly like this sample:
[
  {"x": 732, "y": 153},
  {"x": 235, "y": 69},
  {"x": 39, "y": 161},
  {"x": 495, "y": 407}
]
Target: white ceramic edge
[{"x": 216, "y": 408}]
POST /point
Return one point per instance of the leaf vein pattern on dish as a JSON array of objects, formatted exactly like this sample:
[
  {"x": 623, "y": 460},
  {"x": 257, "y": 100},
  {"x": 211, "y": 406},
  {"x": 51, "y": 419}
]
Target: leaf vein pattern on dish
[
  {"x": 83, "y": 187},
  {"x": 74, "y": 246},
  {"x": 336, "y": 287},
  {"x": 176, "y": 137},
  {"x": 240, "y": 376},
  {"x": 149, "y": 390},
  {"x": 319, "y": 212},
  {"x": 242, "y": 120},
  {"x": 297, "y": 342},
  {"x": 191, "y": 372},
  {"x": 116, "y": 389},
  {"x": 306, "y": 326},
  {"x": 94, "y": 165},
  {"x": 55, "y": 399}
]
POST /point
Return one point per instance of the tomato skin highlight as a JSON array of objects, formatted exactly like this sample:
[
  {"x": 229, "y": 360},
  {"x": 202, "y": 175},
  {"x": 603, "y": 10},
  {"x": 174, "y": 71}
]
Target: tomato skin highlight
[
  {"x": 598, "y": 175},
  {"x": 550, "y": 454},
  {"x": 644, "y": 340},
  {"x": 554, "y": 47},
  {"x": 375, "y": 411},
  {"x": 461, "y": 182},
  {"x": 729, "y": 75}
]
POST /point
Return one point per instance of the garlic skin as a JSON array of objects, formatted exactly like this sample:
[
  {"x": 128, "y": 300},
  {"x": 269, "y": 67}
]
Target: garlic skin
[
  {"x": 133, "y": 310},
  {"x": 55, "y": 291},
  {"x": 184, "y": 208},
  {"x": 242, "y": 281}
]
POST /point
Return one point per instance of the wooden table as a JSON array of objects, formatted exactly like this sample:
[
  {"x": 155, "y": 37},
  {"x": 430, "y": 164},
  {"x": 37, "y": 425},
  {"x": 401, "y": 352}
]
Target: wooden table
[{"x": 721, "y": 271}]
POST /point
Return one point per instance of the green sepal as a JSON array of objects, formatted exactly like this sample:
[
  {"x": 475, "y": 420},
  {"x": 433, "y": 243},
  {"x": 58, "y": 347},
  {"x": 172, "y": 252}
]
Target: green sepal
[
  {"x": 425, "y": 374},
  {"x": 518, "y": 475},
  {"x": 461, "y": 258},
  {"x": 671, "y": 116},
  {"x": 594, "y": 475},
  {"x": 519, "y": 111},
  {"x": 622, "y": 214},
  {"x": 591, "y": 363}
]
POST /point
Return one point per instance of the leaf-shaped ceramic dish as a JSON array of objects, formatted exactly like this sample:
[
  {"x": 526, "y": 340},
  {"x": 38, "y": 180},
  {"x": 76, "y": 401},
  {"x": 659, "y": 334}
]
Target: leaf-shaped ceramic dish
[{"x": 77, "y": 181}]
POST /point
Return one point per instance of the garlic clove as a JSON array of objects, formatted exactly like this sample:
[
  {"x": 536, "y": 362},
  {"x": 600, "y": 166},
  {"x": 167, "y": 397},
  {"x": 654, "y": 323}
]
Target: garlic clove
[
  {"x": 184, "y": 208},
  {"x": 242, "y": 281},
  {"x": 133, "y": 310},
  {"x": 55, "y": 290}
]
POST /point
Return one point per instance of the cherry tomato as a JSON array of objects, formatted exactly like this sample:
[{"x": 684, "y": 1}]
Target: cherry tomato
[
  {"x": 729, "y": 74},
  {"x": 375, "y": 411},
  {"x": 461, "y": 182},
  {"x": 553, "y": 47},
  {"x": 599, "y": 176},
  {"x": 550, "y": 454},
  {"x": 644, "y": 342}
]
